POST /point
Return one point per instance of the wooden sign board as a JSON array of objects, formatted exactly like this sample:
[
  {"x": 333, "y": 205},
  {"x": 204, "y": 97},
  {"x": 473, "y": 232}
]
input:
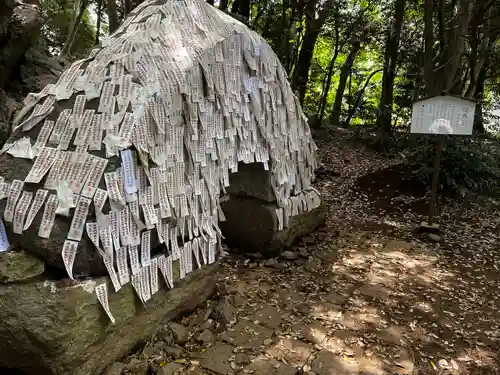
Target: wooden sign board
[{"x": 444, "y": 114}]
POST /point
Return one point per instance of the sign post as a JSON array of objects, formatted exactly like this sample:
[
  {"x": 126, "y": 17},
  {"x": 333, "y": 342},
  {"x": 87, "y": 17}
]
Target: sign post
[{"x": 441, "y": 115}]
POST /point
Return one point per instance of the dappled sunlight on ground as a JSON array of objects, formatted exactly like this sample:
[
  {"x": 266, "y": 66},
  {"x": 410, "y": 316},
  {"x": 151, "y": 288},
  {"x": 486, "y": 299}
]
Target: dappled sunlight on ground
[
  {"x": 374, "y": 298},
  {"x": 370, "y": 296},
  {"x": 378, "y": 306}
]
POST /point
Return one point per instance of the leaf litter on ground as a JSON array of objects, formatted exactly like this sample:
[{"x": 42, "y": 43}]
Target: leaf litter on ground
[{"x": 368, "y": 293}]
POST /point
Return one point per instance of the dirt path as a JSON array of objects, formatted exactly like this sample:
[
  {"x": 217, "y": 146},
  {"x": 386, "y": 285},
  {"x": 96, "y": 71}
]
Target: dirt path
[{"x": 362, "y": 296}]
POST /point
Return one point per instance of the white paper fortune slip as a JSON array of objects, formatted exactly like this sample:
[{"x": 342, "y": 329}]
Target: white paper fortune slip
[
  {"x": 115, "y": 229},
  {"x": 108, "y": 262},
  {"x": 133, "y": 253},
  {"x": 40, "y": 196},
  {"x": 49, "y": 215},
  {"x": 99, "y": 199},
  {"x": 68, "y": 254},
  {"x": 188, "y": 257},
  {"x": 20, "y": 211},
  {"x": 42, "y": 164},
  {"x": 4, "y": 241},
  {"x": 128, "y": 172},
  {"x": 121, "y": 263},
  {"x": 167, "y": 271},
  {"x": 136, "y": 282},
  {"x": 14, "y": 193},
  {"x": 106, "y": 239},
  {"x": 102, "y": 295},
  {"x": 98, "y": 167},
  {"x": 182, "y": 263},
  {"x": 146, "y": 248},
  {"x": 93, "y": 232},
  {"x": 153, "y": 271},
  {"x": 4, "y": 190},
  {"x": 79, "y": 218},
  {"x": 145, "y": 287}
]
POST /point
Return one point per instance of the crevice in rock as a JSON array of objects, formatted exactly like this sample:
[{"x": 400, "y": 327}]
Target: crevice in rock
[
  {"x": 10, "y": 371},
  {"x": 53, "y": 273}
]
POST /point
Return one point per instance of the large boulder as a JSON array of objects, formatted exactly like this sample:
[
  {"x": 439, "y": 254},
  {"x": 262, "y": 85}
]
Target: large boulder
[
  {"x": 59, "y": 327},
  {"x": 256, "y": 222},
  {"x": 20, "y": 23},
  {"x": 88, "y": 261},
  {"x": 187, "y": 93}
]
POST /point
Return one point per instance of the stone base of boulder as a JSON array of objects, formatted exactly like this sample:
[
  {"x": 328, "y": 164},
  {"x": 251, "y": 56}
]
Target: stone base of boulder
[
  {"x": 18, "y": 265},
  {"x": 252, "y": 226},
  {"x": 59, "y": 327}
]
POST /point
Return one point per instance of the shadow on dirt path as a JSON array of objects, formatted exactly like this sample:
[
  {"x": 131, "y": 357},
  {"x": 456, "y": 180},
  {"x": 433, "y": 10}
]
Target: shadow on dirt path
[{"x": 363, "y": 295}]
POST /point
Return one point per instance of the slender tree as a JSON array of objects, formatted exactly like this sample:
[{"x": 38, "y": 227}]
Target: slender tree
[
  {"x": 344, "y": 75},
  {"x": 390, "y": 64},
  {"x": 112, "y": 11},
  {"x": 79, "y": 10},
  {"x": 315, "y": 19}
]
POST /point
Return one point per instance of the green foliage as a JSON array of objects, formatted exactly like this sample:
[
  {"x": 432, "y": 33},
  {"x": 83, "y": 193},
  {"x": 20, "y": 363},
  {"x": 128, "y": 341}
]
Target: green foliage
[
  {"x": 471, "y": 164},
  {"x": 466, "y": 163},
  {"x": 58, "y": 15}
]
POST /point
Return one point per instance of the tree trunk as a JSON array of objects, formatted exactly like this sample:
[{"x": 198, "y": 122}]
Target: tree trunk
[
  {"x": 331, "y": 69},
  {"x": 390, "y": 64},
  {"x": 313, "y": 29},
  {"x": 235, "y": 6},
  {"x": 443, "y": 72},
  {"x": 326, "y": 86},
  {"x": 98, "y": 26},
  {"x": 296, "y": 35},
  {"x": 301, "y": 71},
  {"x": 344, "y": 74},
  {"x": 75, "y": 23},
  {"x": 244, "y": 9},
  {"x": 430, "y": 88},
  {"x": 112, "y": 16},
  {"x": 358, "y": 98},
  {"x": 127, "y": 7},
  {"x": 130, "y": 5},
  {"x": 223, "y": 5},
  {"x": 478, "y": 118},
  {"x": 285, "y": 28}
]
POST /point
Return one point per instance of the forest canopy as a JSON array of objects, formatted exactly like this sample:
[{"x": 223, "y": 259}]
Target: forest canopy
[{"x": 357, "y": 64}]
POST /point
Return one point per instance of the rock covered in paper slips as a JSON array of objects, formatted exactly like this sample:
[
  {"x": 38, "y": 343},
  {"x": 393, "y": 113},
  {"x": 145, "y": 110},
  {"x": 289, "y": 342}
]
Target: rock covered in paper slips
[
  {"x": 59, "y": 328},
  {"x": 252, "y": 225},
  {"x": 135, "y": 145},
  {"x": 87, "y": 261}
]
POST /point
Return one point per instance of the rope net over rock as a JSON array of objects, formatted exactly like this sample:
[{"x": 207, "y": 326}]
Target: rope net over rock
[{"x": 134, "y": 144}]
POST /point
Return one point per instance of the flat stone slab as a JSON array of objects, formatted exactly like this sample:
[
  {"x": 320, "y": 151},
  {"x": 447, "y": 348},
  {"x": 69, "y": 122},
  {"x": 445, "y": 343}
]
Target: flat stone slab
[
  {"x": 313, "y": 332},
  {"x": 217, "y": 358},
  {"x": 267, "y": 315},
  {"x": 247, "y": 334},
  {"x": 252, "y": 226},
  {"x": 266, "y": 366},
  {"x": 396, "y": 245},
  {"x": 327, "y": 363},
  {"x": 294, "y": 352},
  {"x": 60, "y": 328}
]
